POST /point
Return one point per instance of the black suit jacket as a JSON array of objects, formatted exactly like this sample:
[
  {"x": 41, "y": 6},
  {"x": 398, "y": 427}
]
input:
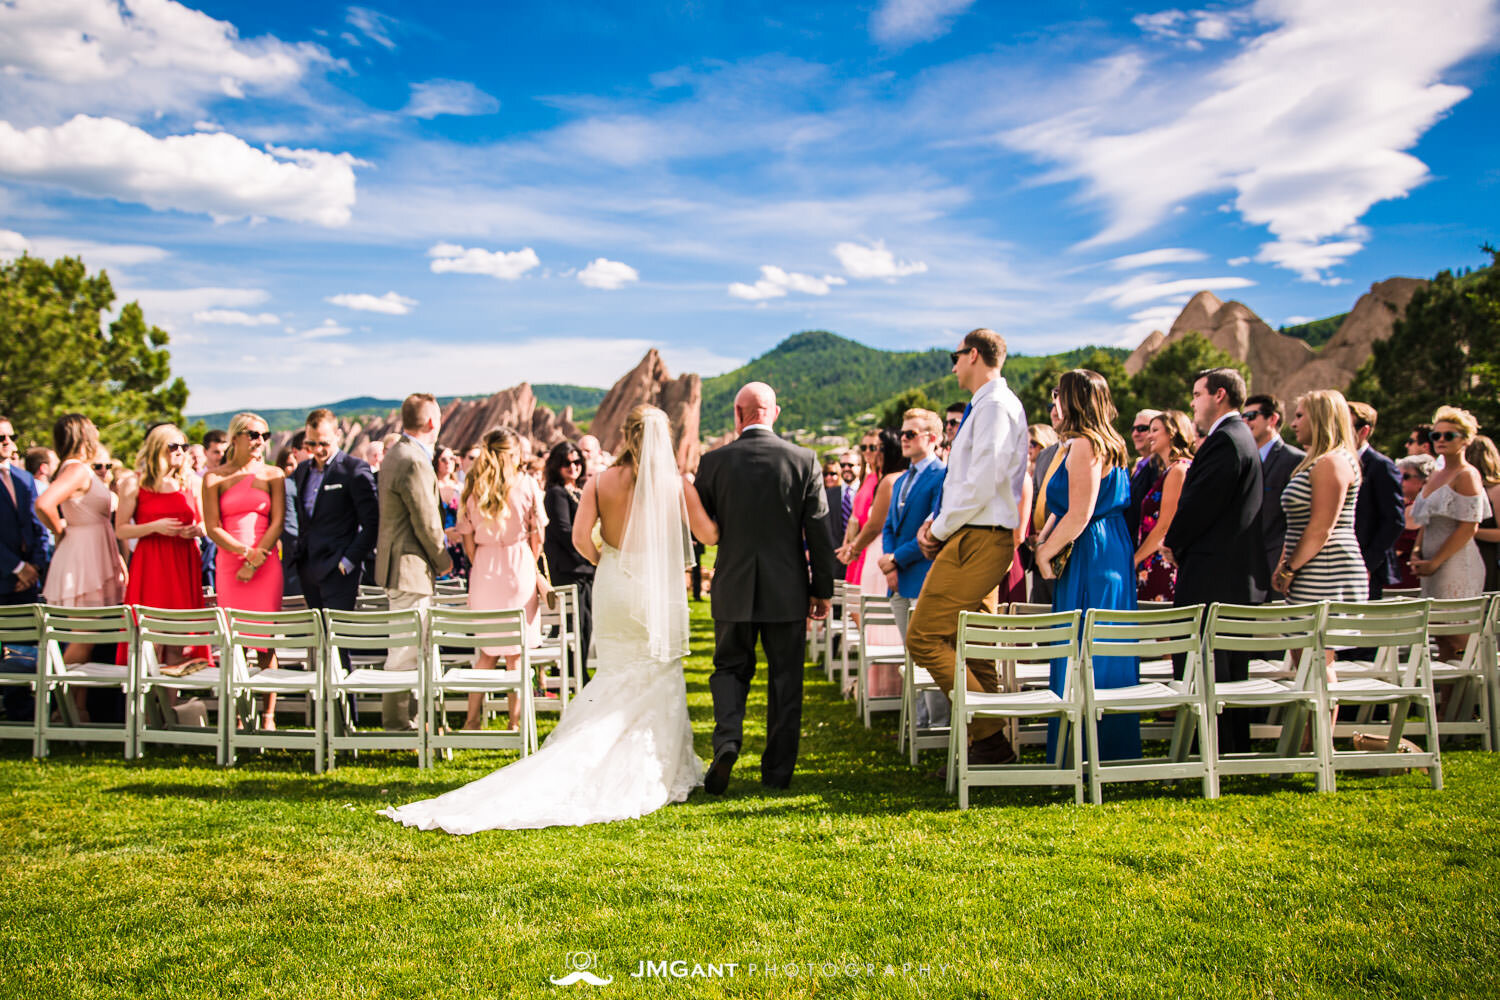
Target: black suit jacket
[
  {"x": 21, "y": 536},
  {"x": 836, "y": 523},
  {"x": 767, "y": 497},
  {"x": 1215, "y": 536},
  {"x": 1275, "y": 473},
  {"x": 563, "y": 561},
  {"x": 1140, "y": 484},
  {"x": 1379, "y": 511},
  {"x": 345, "y": 519}
]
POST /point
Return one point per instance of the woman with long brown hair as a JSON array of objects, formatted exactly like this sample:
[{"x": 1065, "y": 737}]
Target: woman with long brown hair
[
  {"x": 501, "y": 521},
  {"x": 1088, "y": 497},
  {"x": 1172, "y": 441}
]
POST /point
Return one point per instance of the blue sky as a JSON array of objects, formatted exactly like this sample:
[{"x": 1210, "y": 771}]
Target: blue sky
[{"x": 320, "y": 200}]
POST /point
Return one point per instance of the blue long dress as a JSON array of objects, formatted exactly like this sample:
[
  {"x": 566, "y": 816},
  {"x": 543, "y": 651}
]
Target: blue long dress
[{"x": 1100, "y": 574}]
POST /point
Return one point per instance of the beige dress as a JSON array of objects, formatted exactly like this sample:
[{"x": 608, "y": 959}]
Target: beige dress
[{"x": 1439, "y": 513}]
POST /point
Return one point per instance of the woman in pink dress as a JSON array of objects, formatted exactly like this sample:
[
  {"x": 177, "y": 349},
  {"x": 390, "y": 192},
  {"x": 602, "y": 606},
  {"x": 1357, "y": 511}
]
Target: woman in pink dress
[
  {"x": 862, "y": 552},
  {"x": 500, "y": 519},
  {"x": 244, "y": 505},
  {"x": 86, "y": 570}
]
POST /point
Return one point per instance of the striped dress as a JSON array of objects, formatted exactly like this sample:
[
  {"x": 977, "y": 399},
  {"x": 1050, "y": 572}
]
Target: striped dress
[{"x": 1337, "y": 572}]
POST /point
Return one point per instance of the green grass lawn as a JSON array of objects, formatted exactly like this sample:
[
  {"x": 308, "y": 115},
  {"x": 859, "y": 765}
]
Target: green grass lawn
[{"x": 172, "y": 878}]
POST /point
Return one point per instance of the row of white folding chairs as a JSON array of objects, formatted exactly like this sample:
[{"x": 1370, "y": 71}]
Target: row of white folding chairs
[
  {"x": 313, "y": 638},
  {"x": 1296, "y": 636}
]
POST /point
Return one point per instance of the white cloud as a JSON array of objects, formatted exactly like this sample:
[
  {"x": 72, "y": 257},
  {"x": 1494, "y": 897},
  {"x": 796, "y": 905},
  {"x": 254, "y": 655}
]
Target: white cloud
[
  {"x": 1143, "y": 322},
  {"x": 1237, "y": 261},
  {"x": 217, "y": 173},
  {"x": 328, "y": 328},
  {"x": 94, "y": 255},
  {"x": 373, "y": 25},
  {"x": 1191, "y": 28},
  {"x": 874, "y": 261},
  {"x": 903, "y": 22},
  {"x": 607, "y": 274},
  {"x": 1297, "y": 320},
  {"x": 235, "y": 317},
  {"x": 136, "y": 57},
  {"x": 507, "y": 266},
  {"x": 1149, "y": 286},
  {"x": 1320, "y": 107},
  {"x": 180, "y": 303},
  {"x": 775, "y": 283},
  {"x": 1310, "y": 259},
  {"x": 390, "y": 303},
  {"x": 1156, "y": 258},
  {"x": 449, "y": 97}
]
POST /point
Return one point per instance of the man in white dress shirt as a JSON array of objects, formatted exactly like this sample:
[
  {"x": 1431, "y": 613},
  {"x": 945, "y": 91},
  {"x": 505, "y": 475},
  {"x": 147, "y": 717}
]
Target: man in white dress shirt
[{"x": 969, "y": 538}]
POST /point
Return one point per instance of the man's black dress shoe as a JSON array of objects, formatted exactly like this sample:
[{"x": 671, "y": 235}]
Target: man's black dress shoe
[{"x": 717, "y": 778}]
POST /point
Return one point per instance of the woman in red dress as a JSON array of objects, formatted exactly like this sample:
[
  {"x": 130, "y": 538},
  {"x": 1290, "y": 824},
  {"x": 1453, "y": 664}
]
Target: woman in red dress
[{"x": 160, "y": 510}]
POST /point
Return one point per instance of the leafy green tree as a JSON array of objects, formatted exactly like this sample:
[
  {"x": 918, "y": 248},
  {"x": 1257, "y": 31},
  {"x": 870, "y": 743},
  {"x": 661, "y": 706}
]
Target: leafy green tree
[
  {"x": 59, "y": 358},
  {"x": 890, "y": 416},
  {"x": 1166, "y": 383},
  {"x": 1446, "y": 350},
  {"x": 1036, "y": 393}
]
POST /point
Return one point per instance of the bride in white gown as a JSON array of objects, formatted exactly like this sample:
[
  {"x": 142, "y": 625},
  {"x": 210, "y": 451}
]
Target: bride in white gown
[{"x": 624, "y": 748}]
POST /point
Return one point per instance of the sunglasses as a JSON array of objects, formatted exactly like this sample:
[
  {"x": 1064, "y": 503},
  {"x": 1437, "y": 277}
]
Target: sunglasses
[
  {"x": 177, "y": 447},
  {"x": 7, "y": 437},
  {"x": 309, "y": 443},
  {"x": 910, "y": 435},
  {"x": 846, "y": 465},
  {"x": 1410, "y": 476},
  {"x": 575, "y": 461},
  {"x": 100, "y": 466},
  {"x": 1140, "y": 428},
  {"x": 1436, "y": 436},
  {"x": 1252, "y": 414},
  {"x": 955, "y": 355},
  {"x": 869, "y": 447},
  {"x": 953, "y": 421},
  {"x": 256, "y": 435}
]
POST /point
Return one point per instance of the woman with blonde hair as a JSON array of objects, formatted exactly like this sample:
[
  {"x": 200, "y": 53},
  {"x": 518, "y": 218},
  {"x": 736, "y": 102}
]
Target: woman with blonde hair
[
  {"x": 1449, "y": 511},
  {"x": 1088, "y": 496},
  {"x": 1484, "y": 456},
  {"x": 244, "y": 509},
  {"x": 1320, "y": 560},
  {"x": 501, "y": 521},
  {"x": 1039, "y": 437},
  {"x": 160, "y": 508},
  {"x": 1172, "y": 442}
]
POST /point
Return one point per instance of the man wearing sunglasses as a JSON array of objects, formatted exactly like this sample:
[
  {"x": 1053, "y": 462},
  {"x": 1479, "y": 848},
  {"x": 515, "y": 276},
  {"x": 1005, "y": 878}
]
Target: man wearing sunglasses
[
  {"x": 23, "y": 555},
  {"x": 1143, "y": 475},
  {"x": 970, "y": 537},
  {"x": 1278, "y": 460},
  {"x": 1379, "y": 509}
]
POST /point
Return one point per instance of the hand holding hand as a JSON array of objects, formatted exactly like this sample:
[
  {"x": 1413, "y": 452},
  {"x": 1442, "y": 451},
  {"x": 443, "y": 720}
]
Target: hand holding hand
[
  {"x": 887, "y": 564},
  {"x": 1166, "y": 557},
  {"x": 245, "y": 574},
  {"x": 817, "y": 608},
  {"x": 1424, "y": 567},
  {"x": 26, "y": 576},
  {"x": 926, "y": 542}
]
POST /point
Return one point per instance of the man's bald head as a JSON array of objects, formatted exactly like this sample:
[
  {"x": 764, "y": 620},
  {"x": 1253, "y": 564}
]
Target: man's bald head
[{"x": 755, "y": 404}]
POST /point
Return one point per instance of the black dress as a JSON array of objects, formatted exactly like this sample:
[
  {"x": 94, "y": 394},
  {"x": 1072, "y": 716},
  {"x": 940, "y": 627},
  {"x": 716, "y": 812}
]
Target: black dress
[{"x": 564, "y": 563}]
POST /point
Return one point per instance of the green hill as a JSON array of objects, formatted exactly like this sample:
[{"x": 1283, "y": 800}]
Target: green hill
[
  {"x": 823, "y": 379},
  {"x": 583, "y": 398},
  {"x": 1316, "y": 332}
]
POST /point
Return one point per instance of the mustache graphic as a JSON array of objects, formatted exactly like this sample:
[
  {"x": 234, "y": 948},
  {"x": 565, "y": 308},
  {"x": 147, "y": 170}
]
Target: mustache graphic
[{"x": 582, "y": 976}]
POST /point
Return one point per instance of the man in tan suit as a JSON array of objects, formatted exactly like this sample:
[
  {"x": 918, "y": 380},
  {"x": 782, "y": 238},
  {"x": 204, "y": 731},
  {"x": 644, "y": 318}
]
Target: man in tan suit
[{"x": 410, "y": 552}]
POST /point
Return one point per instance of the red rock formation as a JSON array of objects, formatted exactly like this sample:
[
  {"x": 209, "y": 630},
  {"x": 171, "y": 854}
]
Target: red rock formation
[{"x": 650, "y": 382}]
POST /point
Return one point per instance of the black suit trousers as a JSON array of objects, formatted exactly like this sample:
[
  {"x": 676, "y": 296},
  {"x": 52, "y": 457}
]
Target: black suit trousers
[{"x": 734, "y": 667}]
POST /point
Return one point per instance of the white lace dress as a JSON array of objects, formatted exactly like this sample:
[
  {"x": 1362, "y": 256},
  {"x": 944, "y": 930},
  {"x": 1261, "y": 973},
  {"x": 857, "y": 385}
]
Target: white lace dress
[
  {"x": 1439, "y": 513},
  {"x": 623, "y": 749}
]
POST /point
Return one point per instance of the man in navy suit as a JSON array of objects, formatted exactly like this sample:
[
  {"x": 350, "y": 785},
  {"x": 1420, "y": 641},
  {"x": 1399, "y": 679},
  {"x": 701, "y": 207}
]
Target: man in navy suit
[
  {"x": 1215, "y": 538},
  {"x": 339, "y": 518},
  {"x": 1379, "y": 511},
  {"x": 23, "y": 554},
  {"x": 23, "y": 561},
  {"x": 914, "y": 498}
]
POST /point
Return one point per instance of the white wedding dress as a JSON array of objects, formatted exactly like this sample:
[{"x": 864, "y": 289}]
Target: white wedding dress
[{"x": 624, "y": 747}]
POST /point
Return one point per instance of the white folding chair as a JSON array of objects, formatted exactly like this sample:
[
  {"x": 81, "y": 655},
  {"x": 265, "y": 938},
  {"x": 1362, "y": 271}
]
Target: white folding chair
[
  {"x": 359, "y": 632},
  {"x": 279, "y": 631},
  {"x": 877, "y": 622},
  {"x": 472, "y": 631},
  {"x": 157, "y": 718},
  {"x": 849, "y": 637},
  {"x": 1490, "y": 640},
  {"x": 1153, "y": 634},
  {"x": 560, "y": 651},
  {"x": 1466, "y": 710},
  {"x": 104, "y": 629},
  {"x": 1389, "y": 629},
  {"x": 916, "y": 682},
  {"x": 1288, "y": 638},
  {"x": 833, "y": 627},
  {"x": 20, "y": 632},
  {"x": 1009, "y": 640}
]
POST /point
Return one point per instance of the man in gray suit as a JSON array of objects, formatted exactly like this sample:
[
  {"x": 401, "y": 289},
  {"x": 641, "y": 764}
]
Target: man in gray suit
[
  {"x": 1263, "y": 415},
  {"x": 411, "y": 552}
]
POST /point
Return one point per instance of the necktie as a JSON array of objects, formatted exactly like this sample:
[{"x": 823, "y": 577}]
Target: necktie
[
  {"x": 10, "y": 487},
  {"x": 908, "y": 479},
  {"x": 968, "y": 409},
  {"x": 847, "y": 506}
]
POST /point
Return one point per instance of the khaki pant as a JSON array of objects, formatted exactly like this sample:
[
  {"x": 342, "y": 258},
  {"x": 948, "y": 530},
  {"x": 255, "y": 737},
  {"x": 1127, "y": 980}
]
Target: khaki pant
[
  {"x": 399, "y": 711},
  {"x": 964, "y": 577}
]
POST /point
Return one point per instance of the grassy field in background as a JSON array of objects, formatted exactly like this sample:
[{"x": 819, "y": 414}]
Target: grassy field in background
[{"x": 172, "y": 878}]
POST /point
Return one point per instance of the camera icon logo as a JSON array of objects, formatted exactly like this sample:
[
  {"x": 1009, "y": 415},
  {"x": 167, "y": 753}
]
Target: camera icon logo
[{"x": 579, "y": 963}]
